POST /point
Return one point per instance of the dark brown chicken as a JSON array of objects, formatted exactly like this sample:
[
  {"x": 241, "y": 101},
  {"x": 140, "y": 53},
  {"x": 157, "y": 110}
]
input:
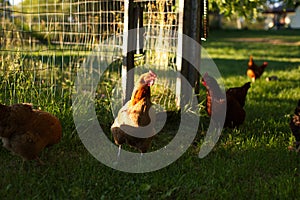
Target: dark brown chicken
[
  {"x": 239, "y": 93},
  {"x": 136, "y": 118},
  {"x": 235, "y": 114},
  {"x": 254, "y": 71},
  {"x": 213, "y": 93},
  {"x": 295, "y": 126},
  {"x": 26, "y": 132}
]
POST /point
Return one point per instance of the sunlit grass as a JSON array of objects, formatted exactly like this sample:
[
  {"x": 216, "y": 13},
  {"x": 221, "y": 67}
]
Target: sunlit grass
[
  {"x": 272, "y": 46},
  {"x": 250, "y": 162}
]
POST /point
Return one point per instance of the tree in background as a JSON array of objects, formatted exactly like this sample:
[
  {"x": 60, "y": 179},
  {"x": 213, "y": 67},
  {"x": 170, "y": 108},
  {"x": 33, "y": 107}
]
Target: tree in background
[{"x": 248, "y": 10}]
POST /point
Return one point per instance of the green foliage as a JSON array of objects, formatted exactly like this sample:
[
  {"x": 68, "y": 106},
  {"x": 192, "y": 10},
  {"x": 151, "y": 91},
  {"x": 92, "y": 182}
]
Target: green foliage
[{"x": 248, "y": 9}]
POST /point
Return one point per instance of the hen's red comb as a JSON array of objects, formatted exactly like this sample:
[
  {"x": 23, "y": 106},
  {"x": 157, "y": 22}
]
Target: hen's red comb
[
  {"x": 203, "y": 78},
  {"x": 152, "y": 73}
]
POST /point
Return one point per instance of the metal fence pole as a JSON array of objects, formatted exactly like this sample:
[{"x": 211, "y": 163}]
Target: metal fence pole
[{"x": 128, "y": 57}]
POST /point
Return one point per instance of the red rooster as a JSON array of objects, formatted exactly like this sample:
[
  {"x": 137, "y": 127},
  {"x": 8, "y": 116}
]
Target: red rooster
[
  {"x": 136, "y": 117},
  {"x": 254, "y": 71}
]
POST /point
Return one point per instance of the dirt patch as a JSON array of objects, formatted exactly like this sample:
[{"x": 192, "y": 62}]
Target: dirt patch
[{"x": 265, "y": 40}]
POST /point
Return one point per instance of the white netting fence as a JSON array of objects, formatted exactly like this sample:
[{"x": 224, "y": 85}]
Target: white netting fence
[{"x": 44, "y": 42}]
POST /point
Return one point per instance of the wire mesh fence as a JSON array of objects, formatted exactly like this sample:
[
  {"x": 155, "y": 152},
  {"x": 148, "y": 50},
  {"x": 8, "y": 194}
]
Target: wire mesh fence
[
  {"x": 161, "y": 25},
  {"x": 44, "y": 42}
]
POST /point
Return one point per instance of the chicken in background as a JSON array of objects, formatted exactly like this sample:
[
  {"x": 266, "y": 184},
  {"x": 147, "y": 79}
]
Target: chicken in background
[
  {"x": 235, "y": 100},
  {"x": 295, "y": 126},
  {"x": 26, "y": 132},
  {"x": 136, "y": 118},
  {"x": 254, "y": 71}
]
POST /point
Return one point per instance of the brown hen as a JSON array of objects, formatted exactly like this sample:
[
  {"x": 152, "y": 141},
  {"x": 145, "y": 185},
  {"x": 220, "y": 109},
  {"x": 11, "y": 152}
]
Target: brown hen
[
  {"x": 26, "y": 132},
  {"x": 254, "y": 71},
  {"x": 235, "y": 114},
  {"x": 134, "y": 124}
]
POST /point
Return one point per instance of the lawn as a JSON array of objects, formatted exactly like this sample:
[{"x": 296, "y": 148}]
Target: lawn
[{"x": 252, "y": 161}]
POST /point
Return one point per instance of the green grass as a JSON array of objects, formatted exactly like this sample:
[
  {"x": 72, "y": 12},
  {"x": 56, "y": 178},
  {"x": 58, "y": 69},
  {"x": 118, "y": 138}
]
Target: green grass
[{"x": 250, "y": 162}]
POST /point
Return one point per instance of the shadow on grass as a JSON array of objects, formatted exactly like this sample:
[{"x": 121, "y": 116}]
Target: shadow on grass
[{"x": 225, "y": 173}]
